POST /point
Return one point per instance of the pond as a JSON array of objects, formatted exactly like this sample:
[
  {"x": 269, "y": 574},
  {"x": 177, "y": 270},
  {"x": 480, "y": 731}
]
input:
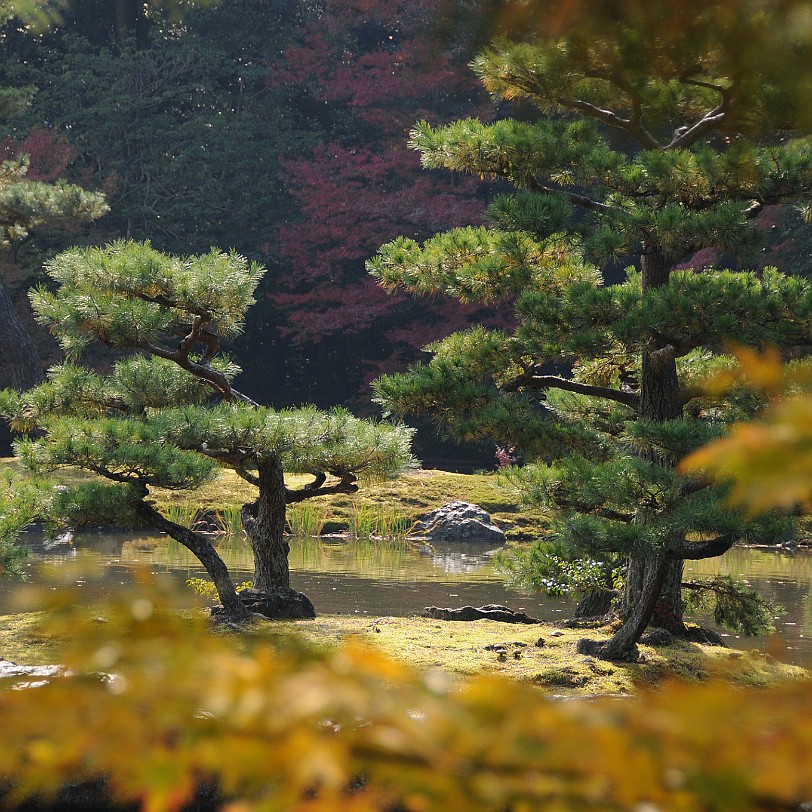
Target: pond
[{"x": 379, "y": 578}]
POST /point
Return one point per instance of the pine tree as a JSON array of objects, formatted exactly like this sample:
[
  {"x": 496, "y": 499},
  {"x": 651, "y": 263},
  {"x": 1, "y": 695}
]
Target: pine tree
[
  {"x": 167, "y": 414},
  {"x": 24, "y": 205},
  {"x": 630, "y": 147}
]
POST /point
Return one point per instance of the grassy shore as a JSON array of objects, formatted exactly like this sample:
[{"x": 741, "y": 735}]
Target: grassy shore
[
  {"x": 413, "y": 495},
  {"x": 542, "y": 655},
  {"x": 458, "y": 648}
]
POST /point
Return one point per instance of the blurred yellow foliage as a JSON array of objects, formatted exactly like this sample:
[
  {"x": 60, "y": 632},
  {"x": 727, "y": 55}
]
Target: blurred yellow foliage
[
  {"x": 768, "y": 461},
  {"x": 157, "y": 704}
]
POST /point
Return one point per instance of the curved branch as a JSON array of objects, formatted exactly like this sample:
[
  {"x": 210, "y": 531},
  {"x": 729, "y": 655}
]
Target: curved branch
[
  {"x": 529, "y": 380},
  {"x": 630, "y": 125},
  {"x": 216, "y": 380},
  {"x": 696, "y": 550},
  {"x": 202, "y": 549},
  {"x": 347, "y": 484}
]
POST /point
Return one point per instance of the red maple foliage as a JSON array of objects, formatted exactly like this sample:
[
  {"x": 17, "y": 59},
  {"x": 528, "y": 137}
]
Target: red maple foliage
[
  {"x": 372, "y": 61},
  {"x": 49, "y": 153}
]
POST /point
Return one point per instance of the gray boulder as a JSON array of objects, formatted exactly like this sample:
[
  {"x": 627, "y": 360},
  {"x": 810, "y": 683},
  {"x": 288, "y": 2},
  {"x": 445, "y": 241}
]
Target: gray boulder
[{"x": 459, "y": 521}]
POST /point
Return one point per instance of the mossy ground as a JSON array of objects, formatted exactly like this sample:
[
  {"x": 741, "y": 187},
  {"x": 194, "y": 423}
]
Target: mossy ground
[{"x": 460, "y": 649}]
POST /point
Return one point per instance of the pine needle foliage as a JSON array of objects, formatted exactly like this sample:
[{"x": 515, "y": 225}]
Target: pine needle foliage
[
  {"x": 166, "y": 414},
  {"x": 597, "y": 385}
]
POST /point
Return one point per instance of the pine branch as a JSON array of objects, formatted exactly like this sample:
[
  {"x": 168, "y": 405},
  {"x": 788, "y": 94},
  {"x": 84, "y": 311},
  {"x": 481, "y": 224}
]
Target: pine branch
[
  {"x": 582, "y": 201},
  {"x": 530, "y": 380},
  {"x": 216, "y": 380},
  {"x": 347, "y": 484},
  {"x": 696, "y": 550},
  {"x": 709, "y": 85},
  {"x": 709, "y": 122},
  {"x": 695, "y": 485},
  {"x": 631, "y": 125}
]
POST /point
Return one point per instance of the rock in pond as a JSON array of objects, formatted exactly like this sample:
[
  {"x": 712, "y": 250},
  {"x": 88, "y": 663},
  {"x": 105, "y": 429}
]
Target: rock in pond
[{"x": 459, "y": 521}]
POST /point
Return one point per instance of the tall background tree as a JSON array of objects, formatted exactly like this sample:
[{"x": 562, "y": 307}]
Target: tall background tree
[
  {"x": 25, "y": 205},
  {"x": 275, "y": 128},
  {"x": 704, "y": 140}
]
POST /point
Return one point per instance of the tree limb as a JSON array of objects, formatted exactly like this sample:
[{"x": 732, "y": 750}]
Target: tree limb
[
  {"x": 582, "y": 201},
  {"x": 630, "y": 125},
  {"x": 347, "y": 484},
  {"x": 529, "y": 380},
  {"x": 709, "y": 122},
  {"x": 696, "y": 550}
]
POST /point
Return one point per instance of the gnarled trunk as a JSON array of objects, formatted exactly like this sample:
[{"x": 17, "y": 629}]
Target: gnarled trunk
[
  {"x": 668, "y": 612},
  {"x": 233, "y": 607},
  {"x": 623, "y": 643},
  {"x": 652, "y": 592},
  {"x": 264, "y": 523}
]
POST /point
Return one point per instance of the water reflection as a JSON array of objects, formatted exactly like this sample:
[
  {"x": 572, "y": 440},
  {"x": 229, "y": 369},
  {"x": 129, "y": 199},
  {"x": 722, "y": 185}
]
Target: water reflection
[
  {"x": 462, "y": 557},
  {"x": 785, "y": 577},
  {"x": 400, "y": 578}
]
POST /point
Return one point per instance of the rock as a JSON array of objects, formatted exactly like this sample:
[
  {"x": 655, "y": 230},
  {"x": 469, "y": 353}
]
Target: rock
[
  {"x": 658, "y": 637},
  {"x": 459, "y": 521},
  {"x": 281, "y": 603},
  {"x": 37, "y": 674},
  {"x": 491, "y": 611}
]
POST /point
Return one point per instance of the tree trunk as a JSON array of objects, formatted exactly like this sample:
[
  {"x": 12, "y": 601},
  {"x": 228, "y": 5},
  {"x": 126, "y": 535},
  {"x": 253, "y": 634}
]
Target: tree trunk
[
  {"x": 669, "y": 610},
  {"x": 233, "y": 607},
  {"x": 659, "y": 401},
  {"x": 622, "y": 646},
  {"x": 17, "y": 347},
  {"x": 264, "y": 523}
]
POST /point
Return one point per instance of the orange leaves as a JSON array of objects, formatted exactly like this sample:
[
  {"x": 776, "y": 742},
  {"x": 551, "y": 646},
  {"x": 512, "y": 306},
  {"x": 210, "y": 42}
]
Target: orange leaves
[
  {"x": 769, "y": 461},
  {"x": 277, "y": 727}
]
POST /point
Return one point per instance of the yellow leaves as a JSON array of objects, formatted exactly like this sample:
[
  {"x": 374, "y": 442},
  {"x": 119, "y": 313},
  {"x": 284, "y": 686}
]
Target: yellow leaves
[
  {"x": 761, "y": 372},
  {"x": 278, "y": 727},
  {"x": 769, "y": 461}
]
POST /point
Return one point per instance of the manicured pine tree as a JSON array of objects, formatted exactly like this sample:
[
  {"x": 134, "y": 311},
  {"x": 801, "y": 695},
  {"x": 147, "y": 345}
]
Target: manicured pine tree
[
  {"x": 636, "y": 144},
  {"x": 167, "y": 414}
]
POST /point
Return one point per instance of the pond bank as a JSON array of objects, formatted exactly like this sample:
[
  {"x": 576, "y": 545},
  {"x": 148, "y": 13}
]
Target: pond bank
[{"x": 541, "y": 654}]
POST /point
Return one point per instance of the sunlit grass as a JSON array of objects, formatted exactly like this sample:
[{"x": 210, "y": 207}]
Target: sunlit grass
[
  {"x": 410, "y": 497},
  {"x": 460, "y": 649}
]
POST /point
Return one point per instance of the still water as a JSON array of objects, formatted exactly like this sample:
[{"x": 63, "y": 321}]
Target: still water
[{"x": 387, "y": 578}]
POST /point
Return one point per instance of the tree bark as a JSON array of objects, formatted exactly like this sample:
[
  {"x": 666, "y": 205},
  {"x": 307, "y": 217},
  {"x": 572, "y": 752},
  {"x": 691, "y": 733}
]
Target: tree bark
[
  {"x": 264, "y": 523},
  {"x": 233, "y": 607},
  {"x": 652, "y": 594},
  {"x": 622, "y": 646},
  {"x": 17, "y": 347},
  {"x": 669, "y": 610}
]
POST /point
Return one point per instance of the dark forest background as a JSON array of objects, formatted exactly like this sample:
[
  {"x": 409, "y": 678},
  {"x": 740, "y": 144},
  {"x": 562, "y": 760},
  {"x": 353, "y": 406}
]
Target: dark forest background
[{"x": 277, "y": 128}]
